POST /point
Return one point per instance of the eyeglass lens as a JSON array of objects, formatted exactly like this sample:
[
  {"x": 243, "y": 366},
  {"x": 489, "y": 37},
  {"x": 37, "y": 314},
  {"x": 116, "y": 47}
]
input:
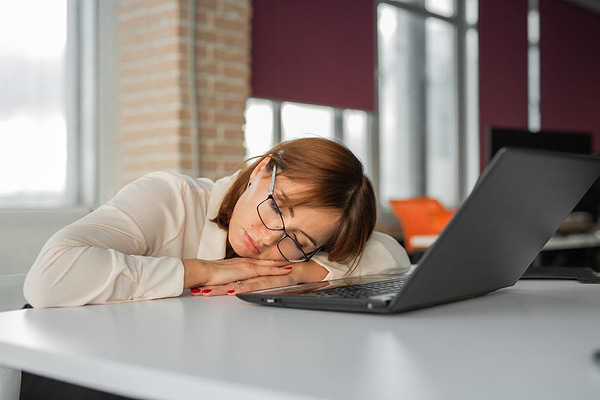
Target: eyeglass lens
[{"x": 270, "y": 216}]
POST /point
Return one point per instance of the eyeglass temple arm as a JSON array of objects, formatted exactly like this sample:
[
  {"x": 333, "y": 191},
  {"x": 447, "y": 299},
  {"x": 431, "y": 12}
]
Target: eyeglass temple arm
[{"x": 273, "y": 179}]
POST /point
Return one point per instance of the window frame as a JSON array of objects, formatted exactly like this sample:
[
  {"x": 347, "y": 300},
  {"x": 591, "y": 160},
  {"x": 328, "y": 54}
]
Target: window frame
[{"x": 338, "y": 126}]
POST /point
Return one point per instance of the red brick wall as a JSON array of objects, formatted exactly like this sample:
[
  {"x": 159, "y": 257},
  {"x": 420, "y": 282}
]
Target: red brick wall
[
  {"x": 156, "y": 88},
  {"x": 223, "y": 47}
]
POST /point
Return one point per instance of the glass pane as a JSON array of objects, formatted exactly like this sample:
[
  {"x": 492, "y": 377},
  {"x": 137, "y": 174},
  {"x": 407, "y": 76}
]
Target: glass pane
[
  {"x": 33, "y": 133},
  {"x": 472, "y": 81},
  {"x": 533, "y": 88},
  {"x": 355, "y": 135},
  {"x": 397, "y": 109},
  {"x": 533, "y": 26},
  {"x": 299, "y": 120},
  {"x": 258, "y": 131},
  {"x": 472, "y": 11},
  {"x": 442, "y": 7},
  {"x": 441, "y": 125}
]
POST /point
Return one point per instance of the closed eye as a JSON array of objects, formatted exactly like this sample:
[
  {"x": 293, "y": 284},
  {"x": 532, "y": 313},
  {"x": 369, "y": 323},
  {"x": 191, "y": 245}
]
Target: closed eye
[
  {"x": 305, "y": 246},
  {"x": 274, "y": 207}
]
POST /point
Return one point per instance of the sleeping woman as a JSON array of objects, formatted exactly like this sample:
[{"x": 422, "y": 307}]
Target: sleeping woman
[{"x": 302, "y": 212}]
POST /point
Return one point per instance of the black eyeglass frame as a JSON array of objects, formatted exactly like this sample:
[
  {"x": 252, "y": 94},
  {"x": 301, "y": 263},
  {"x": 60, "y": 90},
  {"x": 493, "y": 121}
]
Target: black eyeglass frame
[{"x": 307, "y": 257}]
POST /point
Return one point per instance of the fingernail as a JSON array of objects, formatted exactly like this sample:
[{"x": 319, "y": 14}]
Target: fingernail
[
  {"x": 207, "y": 291},
  {"x": 288, "y": 268},
  {"x": 195, "y": 290},
  {"x": 231, "y": 291}
]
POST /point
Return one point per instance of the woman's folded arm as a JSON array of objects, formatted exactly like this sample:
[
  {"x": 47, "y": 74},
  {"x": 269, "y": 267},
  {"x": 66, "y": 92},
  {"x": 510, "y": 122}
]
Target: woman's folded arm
[
  {"x": 91, "y": 262},
  {"x": 106, "y": 256}
]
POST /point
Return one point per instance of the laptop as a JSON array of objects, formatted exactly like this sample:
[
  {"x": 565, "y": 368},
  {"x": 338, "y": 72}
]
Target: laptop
[{"x": 516, "y": 206}]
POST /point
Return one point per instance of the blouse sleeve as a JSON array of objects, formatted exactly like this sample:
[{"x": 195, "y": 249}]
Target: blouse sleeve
[
  {"x": 106, "y": 256},
  {"x": 382, "y": 255}
]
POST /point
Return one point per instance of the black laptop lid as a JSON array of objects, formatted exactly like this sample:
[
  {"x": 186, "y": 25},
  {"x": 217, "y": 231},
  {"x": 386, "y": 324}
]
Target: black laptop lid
[{"x": 518, "y": 203}]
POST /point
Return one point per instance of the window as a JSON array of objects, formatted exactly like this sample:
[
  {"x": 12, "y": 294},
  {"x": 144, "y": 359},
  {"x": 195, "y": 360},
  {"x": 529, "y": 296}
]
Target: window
[
  {"x": 428, "y": 134},
  {"x": 46, "y": 115},
  {"x": 269, "y": 122},
  {"x": 298, "y": 120},
  {"x": 258, "y": 132}
]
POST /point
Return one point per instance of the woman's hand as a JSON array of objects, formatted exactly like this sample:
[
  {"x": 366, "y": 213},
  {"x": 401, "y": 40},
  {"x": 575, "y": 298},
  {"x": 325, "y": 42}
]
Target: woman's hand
[
  {"x": 219, "y": 272},
  {"x": 301, "y": 273}
]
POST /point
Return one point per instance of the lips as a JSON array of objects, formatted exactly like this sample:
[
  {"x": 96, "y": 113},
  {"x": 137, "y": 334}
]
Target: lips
[{"x": 251, "y": 244}]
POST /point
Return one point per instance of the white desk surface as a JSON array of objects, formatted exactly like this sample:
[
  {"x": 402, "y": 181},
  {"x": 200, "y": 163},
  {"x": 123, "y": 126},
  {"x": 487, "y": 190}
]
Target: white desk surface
[{"x": 532, "y": 341}]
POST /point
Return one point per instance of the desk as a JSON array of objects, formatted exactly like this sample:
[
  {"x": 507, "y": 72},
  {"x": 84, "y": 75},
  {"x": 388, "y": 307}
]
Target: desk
[
  {"x": 556, "y": 242},
  {"x": 531, "y": 341}
]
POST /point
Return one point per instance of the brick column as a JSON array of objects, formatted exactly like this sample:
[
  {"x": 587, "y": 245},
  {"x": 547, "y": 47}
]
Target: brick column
[
  {"x": 223, "y": 64},
  {"x": 161, "y": 126}
]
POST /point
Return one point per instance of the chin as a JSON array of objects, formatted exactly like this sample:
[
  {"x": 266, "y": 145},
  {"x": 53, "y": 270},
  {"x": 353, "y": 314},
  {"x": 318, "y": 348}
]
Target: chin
[{"x": 239, "y": 249}]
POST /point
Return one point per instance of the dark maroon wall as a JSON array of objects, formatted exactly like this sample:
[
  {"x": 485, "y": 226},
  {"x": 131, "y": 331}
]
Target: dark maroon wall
[
  {"x": 502, "y": 67},
  {"x": 314, "y": 51},
  {"x": 570, "y": 75}
]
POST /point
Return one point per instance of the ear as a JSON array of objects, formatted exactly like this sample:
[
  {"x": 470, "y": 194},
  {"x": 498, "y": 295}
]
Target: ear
[{"x": 260, "y": 167}]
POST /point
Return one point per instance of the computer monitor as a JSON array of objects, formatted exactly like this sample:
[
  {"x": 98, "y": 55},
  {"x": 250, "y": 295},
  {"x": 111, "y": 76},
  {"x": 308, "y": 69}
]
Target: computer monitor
[{"x": 569, "y": 142}]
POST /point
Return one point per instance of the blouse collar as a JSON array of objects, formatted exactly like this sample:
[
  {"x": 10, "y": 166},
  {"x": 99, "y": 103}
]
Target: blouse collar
[{"x": 214, "y": 239}]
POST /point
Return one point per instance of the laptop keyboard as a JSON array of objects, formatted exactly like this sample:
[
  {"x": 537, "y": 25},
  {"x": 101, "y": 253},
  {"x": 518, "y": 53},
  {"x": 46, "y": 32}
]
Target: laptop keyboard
[{"x": 364, "y": 289}]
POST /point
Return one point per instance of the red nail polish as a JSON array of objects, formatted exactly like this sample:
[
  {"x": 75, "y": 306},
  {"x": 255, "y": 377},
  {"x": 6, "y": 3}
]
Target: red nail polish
[
  {"x": 288, "y": 268},
  {"x": 195, "y": 290},
  {"x": 207, "y": 291},
  {"x": 231, "y": 291}
]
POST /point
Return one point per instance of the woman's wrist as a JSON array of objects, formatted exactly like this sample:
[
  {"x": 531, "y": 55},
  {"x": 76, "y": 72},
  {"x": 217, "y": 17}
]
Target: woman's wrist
[{"x": 196, "y": 273}]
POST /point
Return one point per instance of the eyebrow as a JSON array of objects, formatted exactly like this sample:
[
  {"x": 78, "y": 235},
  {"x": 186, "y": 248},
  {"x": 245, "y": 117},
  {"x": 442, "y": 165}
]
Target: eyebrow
[{"x": 286, "y": 198}]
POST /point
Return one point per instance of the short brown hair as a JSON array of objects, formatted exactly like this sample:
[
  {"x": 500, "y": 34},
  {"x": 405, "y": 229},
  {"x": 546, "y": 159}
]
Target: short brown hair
[{"x": 335, "y": 179}]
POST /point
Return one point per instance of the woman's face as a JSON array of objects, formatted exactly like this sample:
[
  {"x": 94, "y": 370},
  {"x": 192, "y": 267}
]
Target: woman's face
[{"x": 311, "y": 227}]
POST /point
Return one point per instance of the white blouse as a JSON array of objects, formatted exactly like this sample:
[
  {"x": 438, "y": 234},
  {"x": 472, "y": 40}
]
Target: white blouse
[{"x": 131, "y": 248}]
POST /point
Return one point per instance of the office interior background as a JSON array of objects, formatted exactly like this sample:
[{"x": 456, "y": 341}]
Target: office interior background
[{"x": 94, "y": 94}]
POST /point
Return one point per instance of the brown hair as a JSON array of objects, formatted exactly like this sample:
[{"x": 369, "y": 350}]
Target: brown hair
[{"x": 335, "y": 180}]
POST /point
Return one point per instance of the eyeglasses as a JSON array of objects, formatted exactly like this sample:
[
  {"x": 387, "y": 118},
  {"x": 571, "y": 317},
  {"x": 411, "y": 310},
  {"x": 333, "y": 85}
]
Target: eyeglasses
[{"x": 272, "y": 218}]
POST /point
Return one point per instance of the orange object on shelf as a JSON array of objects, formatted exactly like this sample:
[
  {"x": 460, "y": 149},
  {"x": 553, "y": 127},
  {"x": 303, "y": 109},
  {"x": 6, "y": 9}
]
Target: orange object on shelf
[{"x": 421, "y": 218}]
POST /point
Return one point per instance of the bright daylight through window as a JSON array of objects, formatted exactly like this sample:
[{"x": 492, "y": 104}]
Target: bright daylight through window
[
  {"x": 303, "y": 120},
  {"x": 33, "y": 128}
]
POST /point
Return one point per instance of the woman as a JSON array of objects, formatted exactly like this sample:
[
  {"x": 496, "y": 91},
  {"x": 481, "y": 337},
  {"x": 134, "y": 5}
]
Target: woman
[{"x": 302, "y": 212}]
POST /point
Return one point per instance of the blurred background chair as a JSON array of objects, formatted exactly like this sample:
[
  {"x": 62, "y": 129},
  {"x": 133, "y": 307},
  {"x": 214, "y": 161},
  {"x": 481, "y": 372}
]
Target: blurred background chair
[{"x": 422, "y": 219}]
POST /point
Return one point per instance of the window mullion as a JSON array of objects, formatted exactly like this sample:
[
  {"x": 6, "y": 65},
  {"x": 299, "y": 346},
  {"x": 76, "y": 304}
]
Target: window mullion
[
  {"x": 88, "y": 88},
  {"x": 461, "y": 145},
  {"x": 338, "y": 124},
  {"x": 277, "y": 134},
  {"x": 419, "y": 123},
  {"x": 73, "y": 103}
]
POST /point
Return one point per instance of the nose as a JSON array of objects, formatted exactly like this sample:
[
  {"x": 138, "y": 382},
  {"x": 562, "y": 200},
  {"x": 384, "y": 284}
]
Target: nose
[{"x": 270, "y": 237}]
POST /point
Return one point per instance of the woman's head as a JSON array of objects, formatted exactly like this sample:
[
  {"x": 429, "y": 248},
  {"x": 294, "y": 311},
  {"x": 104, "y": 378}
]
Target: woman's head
[{"x": 320, "y": 187}]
